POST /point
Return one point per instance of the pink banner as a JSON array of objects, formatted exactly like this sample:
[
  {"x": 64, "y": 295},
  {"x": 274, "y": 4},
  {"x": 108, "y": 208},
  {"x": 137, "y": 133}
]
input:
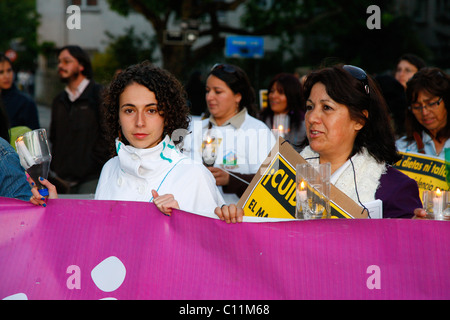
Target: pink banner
[{"x": 77, "y": 249}]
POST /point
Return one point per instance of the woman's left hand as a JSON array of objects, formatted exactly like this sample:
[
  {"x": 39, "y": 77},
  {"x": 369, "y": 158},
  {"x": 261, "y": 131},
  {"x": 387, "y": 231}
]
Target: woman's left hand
[
  {"x": 230, "y": 214},
  {"x": 165, "y": 203},
  {"x": 222, "y": 177},
  {"x": 37, "y": 198},
  {"x": 420, "y": 213}
]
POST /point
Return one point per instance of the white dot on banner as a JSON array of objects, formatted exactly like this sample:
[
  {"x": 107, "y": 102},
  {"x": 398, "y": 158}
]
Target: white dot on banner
[
  {"x": 17, "y": 296},
  {"x": 109, "y": 274}
]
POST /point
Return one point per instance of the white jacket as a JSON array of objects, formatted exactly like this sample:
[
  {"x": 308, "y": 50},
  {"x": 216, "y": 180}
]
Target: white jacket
[
  {"x": 240, "y": 150},
  {"x": 134, "y": 173}
]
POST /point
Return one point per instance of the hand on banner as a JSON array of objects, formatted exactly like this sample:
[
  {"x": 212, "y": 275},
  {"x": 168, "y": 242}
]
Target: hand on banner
[
  {"x": 222, "y": 177},
  {"x": 420, "y": 213},
  {"x": 165, "y": 203},
  {"x": 37, "y": 198},
  {"x": 230, "y": 214}
]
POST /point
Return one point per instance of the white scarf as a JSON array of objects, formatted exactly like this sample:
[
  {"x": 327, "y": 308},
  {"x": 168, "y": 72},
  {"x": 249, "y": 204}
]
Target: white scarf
[
  {"x": 148, "y": 163},
  {"x": 366, "y": 169}
]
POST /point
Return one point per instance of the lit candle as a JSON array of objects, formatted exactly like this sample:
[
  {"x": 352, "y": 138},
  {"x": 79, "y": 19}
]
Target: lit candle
[
  {"x": 22, "y": 150},
  {"x": 208, "y": 154},
  {"x": 281, "y": 130},
  {"x": 437, "y": 203},
  {"x": 302, "y": 192}
]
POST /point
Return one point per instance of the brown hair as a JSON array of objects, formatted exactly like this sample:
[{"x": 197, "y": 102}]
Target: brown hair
[{"x": 168, "y": 91}]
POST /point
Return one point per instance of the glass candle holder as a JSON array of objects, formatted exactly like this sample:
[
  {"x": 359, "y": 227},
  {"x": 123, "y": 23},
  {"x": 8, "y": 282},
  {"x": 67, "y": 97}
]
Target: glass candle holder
[
  {"x": 313, "y": 191},
  {"x": 437, "y": 204}
]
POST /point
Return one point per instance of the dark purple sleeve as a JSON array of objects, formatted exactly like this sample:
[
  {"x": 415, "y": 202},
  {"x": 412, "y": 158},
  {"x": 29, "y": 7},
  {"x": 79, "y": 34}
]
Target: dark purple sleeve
[{"x": 399, "y": 193}]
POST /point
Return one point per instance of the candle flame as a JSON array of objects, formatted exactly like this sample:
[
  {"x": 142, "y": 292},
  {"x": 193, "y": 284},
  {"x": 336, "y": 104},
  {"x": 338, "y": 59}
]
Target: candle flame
[
  {"x": 208, "y": 140},
  {"x": 280, "y": 127},
  {"x": 438, "y": 192},
  {"x": 302, "y": 185}
]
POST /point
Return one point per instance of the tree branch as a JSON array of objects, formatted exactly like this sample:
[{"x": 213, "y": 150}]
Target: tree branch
[{"x": 157, "y": 22}]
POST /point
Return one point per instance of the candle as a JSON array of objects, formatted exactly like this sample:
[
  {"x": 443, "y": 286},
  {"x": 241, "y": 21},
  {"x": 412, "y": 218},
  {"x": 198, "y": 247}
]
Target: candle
[
  {"x": 437, "y": 203},
  {"x": 24, "y": 153},
  {"x": 281, "y": 130},
  {"x": 208, "y": 154},
  {"x": 302, "y": 192}
]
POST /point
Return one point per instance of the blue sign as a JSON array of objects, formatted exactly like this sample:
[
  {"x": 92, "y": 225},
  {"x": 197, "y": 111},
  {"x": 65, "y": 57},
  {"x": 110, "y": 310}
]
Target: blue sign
[{"x": 244, "y": 47}]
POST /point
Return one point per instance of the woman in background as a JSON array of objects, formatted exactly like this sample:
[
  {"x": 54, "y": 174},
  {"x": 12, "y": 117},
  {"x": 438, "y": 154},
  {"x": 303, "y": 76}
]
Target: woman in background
[
  {"x": 231, "y": 142},
  {"x": 407, "y": 66},
  {"x": 285, "y": 111},
  {"x": 427, "y": 120}
]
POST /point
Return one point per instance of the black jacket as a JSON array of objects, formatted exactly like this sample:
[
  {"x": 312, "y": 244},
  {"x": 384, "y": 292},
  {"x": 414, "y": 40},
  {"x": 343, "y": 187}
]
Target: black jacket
[
  {"x": 78, "y": 146},
  {"x": 21, "y": 109}
]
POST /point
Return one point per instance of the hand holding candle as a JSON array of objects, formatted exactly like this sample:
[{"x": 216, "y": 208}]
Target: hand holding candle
[{"x": 35, "y": 157}]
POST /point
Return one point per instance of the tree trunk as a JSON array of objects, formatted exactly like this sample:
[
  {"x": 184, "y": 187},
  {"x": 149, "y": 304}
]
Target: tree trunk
[{"x": 176, "y": 59}]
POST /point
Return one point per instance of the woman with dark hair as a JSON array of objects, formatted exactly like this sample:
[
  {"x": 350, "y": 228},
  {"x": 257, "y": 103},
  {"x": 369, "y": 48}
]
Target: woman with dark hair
[
  {"x": 407, "y": 65},
  {"x": 285, "y": 111},
  {"x": 144, "y": 106},
  {"x": 427, "y": 120},
  {"x": 347, "y": 125},
  {"x": 21, "y": 110},
  {"x": 231, "y": 142}
]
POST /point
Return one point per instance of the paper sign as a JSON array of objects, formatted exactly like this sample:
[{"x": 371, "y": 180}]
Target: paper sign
[
  {"x": 271, "y": 194},
  {"x": 429, "y": 172}
]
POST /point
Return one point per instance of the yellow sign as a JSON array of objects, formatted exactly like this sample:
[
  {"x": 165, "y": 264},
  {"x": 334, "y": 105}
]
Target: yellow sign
[
  {"x": 274, "y": 195},
  {"x": 263, "y": 97},
  {"x": 429, "y": 172}
]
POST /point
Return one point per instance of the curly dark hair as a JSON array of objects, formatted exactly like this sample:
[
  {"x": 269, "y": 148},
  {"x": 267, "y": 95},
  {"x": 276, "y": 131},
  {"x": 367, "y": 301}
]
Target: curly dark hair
[
  {"x": 169, "y": 93},
  {"x": 377, "y": 135}
]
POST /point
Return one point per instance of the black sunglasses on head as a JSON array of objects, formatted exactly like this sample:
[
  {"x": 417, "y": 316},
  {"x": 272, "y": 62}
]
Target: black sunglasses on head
[
  {"x": 358, "y": 74},
  {"x": 225, "y": 67}
]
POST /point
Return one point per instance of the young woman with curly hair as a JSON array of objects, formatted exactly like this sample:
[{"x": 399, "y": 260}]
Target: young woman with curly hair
[{"x": 144, "y": 106}]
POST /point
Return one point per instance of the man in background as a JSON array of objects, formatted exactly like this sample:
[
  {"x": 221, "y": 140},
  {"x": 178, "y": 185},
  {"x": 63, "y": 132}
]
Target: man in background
[{"x": 76, "y": 135}]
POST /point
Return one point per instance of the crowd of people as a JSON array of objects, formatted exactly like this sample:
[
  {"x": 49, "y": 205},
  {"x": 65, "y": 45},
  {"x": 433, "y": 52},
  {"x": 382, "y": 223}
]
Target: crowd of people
[{"x": 133, "y": 140}]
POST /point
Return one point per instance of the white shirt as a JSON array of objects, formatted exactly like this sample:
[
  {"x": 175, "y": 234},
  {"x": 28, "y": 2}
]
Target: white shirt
[
  {"x": 242, "y": 144},
  {"x": 134, "y": 173},
  {"x": 430, "y": 149},
  {"x": 75, "y": 95}
]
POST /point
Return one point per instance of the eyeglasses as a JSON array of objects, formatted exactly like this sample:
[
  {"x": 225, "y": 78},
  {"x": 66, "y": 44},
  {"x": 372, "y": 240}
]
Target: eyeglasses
[
  {"x": 358, "y": 74},
  {"x": 225, "y": 67},
  {"x": 417, "y": 108}
]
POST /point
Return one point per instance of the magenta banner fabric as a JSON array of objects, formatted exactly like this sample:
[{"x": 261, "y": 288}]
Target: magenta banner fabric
[{"x": 76, "y": 249}]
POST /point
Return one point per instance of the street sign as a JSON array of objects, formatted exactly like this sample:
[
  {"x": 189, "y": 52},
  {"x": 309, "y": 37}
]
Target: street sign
[{"x": 244, "y": 47}]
